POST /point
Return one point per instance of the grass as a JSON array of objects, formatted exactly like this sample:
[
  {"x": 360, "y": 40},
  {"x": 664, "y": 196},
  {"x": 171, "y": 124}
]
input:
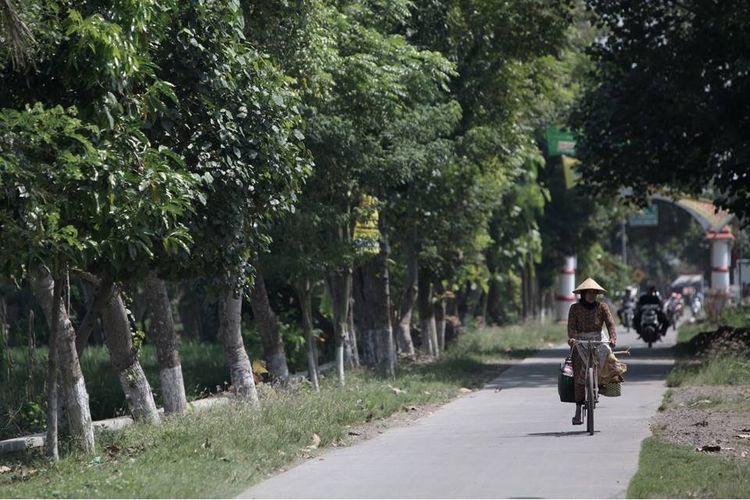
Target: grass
[
  {"x": 714, "y": 370},
  {"x": 672, "y": 471},
  {"x": 22, "y": 403},
  {"x": 668, "y": 470},
  {"x": 219, "y": 452}
]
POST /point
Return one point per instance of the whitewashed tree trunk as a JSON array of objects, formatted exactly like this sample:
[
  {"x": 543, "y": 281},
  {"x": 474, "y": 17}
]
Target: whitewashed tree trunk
[
  {"x": 373, "y": 308},
  {"x": 430, "y": 343},
  {"x": 304, "y": 290},
  {"x": 73, "y": 385},
  {"x": 268, "y": 327},
  {"x": 163, "y": 333},
  {"x": 339, "y": 285},
  {"x": 406, "y": 308},
  {"x": 124, "y": 358},
  {"x": 440, "y": 305},
  {"x": 50, "y": 444},
  {"x": 351, "y": 352},
  {"x": 230, "y": 333}
]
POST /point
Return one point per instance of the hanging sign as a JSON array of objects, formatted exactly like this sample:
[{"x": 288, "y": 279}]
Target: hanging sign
[
  {"x": 366, "y": 236},
  {"x": 649, "y": 216},
  {"x": 560, "y": 142}
]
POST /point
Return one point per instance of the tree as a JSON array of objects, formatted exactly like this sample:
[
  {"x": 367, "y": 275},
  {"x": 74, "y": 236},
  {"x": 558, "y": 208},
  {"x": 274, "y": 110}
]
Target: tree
[
  {"x": 163, "y": 333},
  {"x": 357, "y": 76},
  {"x": 16, "y": 34},
  {"x": 499, "y": 50},
  {"x": 666, "y": 108},
  {"x": 67, "y": 202},
  {"x": 237, "y": 125}
]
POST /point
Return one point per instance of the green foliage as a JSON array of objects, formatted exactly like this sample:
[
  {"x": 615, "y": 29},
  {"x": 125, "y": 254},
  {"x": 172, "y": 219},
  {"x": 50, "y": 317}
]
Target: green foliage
[
  {"x": 650, "y": 121},
  {"x": 237, "y": 124},
  {"x": 608, "y": 269},
  {"x": 65, "y": 195}
]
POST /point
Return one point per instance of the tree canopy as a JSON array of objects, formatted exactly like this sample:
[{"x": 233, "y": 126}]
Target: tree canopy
[{"x": 667, "y": 104}]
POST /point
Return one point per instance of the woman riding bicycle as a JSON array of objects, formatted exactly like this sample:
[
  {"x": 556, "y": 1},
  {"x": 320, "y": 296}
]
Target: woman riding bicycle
[{"x": 585, "y": 321}]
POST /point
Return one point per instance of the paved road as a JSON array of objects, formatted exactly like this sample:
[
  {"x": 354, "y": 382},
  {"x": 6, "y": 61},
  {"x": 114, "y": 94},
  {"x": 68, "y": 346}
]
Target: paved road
[{"x": 515, "y": 443}]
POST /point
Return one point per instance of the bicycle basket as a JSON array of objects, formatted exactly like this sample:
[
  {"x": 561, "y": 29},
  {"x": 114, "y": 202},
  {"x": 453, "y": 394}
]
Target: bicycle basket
[{"x": 611, "y": 390}]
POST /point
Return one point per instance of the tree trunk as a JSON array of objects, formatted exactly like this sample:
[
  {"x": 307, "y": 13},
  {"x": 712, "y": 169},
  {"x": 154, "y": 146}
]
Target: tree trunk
[
  {"x": 340, "y": 287},
  {"x": 87, "y": 326},
  {"x": 268, "y": 327},
  {"x": 162, "y": 332},
  {"x": 406, "y": 308},
  {"x": 351, "y": 351},
  {"x": 440, "y": 315},
  {"x": 304, "y": 290},
  {"x": 230, "y": 333},
  {"x": 50, "y": 445},
  {"x": 374, "y": 303},
  {"x": 494, "y": 307},
  {"x": 430, "y": 344},
  {"x": 73, "y": 385},
  {"x": 528, "y": 288},
  {"x": 462, "y": 303},
  {"x": 124, "y": 357}
]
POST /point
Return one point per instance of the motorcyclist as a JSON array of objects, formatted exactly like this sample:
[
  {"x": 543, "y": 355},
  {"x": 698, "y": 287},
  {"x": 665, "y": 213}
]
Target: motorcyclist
[
  {"x": 650, "y": 298},
  {"x": 628, "y": 302},
  {"x": 673, "y": 307}
]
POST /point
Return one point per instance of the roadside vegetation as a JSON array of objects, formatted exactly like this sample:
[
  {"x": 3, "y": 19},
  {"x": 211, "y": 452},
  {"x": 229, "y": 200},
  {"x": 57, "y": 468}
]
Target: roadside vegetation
[
  {"x": 700, "y": 446},
  {"x": 194, "y": 456},
  {"x": 668, "y": 470}
]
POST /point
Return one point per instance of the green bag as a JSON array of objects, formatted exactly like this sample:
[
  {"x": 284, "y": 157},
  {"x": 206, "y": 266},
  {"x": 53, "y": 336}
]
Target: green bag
[{"x": 565, "y": 385}]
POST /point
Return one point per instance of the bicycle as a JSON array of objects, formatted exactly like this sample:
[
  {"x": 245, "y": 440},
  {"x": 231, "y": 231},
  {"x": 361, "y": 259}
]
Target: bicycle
[{"x": 592, "y": 385}]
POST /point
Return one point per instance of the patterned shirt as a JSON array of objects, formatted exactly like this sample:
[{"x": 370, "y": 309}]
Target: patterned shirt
[{"x": 583, "y": 320}]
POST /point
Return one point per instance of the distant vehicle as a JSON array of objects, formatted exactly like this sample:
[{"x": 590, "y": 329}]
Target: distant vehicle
[
  {"x": 627, "y": 317},
  {"x": 649, "y": 328},
  {"x": 696, "y": 305},
  {"x": 673, "y": 308}
]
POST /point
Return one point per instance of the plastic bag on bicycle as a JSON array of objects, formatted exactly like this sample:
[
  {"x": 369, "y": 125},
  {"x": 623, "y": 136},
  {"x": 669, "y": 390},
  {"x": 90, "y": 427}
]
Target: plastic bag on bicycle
[{"x": 611, "y": 371}]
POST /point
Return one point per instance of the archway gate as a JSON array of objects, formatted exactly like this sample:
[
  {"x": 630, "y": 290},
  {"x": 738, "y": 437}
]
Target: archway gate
[{"x": 718, "y": 226}]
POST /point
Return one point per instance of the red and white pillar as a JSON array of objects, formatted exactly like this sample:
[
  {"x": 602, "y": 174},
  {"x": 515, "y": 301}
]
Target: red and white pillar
[
  {"x": 721, "y": 243},
  {"x": 565, "y": 286}
]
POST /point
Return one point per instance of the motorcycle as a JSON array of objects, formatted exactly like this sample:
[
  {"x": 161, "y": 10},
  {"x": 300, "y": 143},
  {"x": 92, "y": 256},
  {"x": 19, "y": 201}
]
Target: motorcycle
[
  {"x": 673, "y": 312},
  {"x": 628, "y": 313},
  {"x": 650, "y": 328},
  {"x": 695, "y": 306}
]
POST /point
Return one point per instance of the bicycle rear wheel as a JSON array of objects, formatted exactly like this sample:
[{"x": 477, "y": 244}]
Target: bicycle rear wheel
[{"x": 590, "y": 402}]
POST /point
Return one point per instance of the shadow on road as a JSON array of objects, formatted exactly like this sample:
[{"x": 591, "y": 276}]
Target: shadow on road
[
  {"x": 560, "y": 434},
  {"x": 541, "y": 369}
]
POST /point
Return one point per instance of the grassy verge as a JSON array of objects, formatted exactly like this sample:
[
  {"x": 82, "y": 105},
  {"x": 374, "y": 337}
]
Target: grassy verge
[
  {"x": 716, "y": 368},
  {"x": 713, "y": 370},
  {"x": 671, "y": 471},
  {"x": 668, "y": 470},
  {"x": 223, "y": 450},
  {"x": 22, "y": 398}
]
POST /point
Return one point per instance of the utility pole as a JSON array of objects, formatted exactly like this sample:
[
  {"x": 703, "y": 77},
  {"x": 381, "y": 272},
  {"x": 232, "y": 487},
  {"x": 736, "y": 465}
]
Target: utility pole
[
  {"x": 624, "y": 241},
  {"x": 739, "y": 263}
]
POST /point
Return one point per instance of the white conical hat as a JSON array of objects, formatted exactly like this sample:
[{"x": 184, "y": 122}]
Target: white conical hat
[{"x": 589, "y": 284}]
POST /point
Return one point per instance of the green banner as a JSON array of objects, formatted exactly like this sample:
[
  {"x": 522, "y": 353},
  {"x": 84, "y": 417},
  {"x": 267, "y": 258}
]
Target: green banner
[{"x": 560, "y": 142}]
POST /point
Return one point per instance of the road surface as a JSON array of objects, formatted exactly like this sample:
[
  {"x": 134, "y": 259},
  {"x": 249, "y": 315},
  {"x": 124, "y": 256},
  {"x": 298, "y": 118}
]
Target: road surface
[{"x": 517, "y": 442}]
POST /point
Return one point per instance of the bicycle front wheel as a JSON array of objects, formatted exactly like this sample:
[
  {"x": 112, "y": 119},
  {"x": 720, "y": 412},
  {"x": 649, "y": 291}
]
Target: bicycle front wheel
[{"x": 590, "y": 401}]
